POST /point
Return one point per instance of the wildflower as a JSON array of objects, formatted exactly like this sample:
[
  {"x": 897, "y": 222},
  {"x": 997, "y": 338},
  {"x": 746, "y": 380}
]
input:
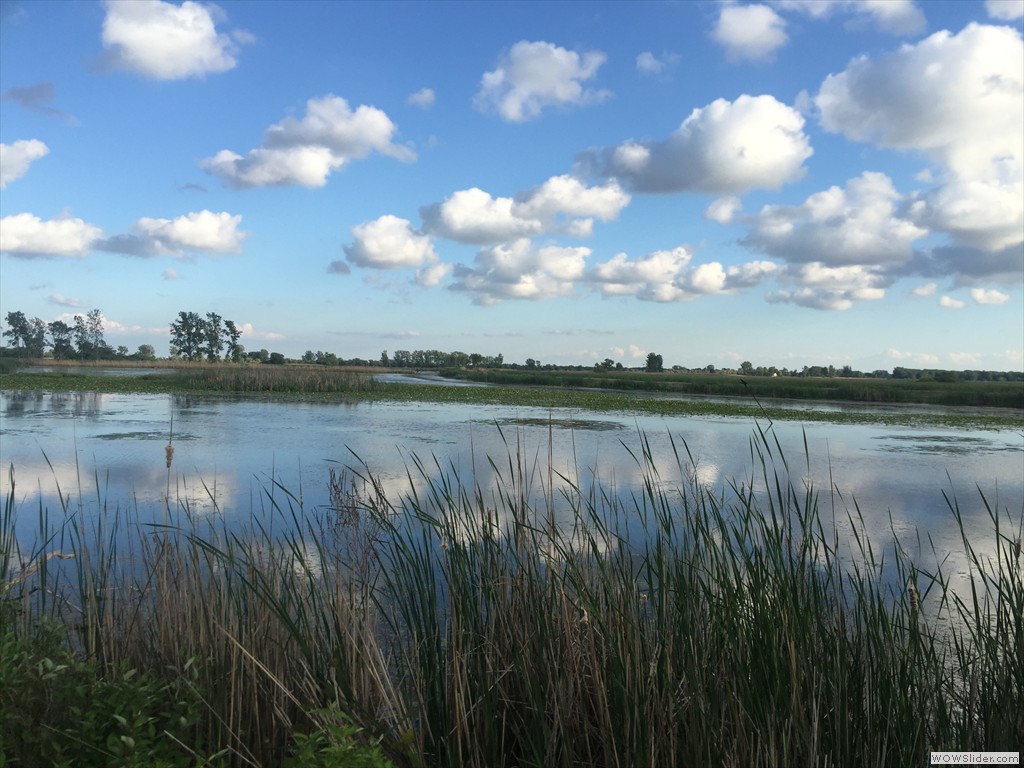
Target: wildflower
[{"x": 169, "y": 450}]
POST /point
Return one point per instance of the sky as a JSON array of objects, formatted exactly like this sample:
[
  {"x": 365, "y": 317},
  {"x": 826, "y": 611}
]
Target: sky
[{"x": 790, "y": 183}]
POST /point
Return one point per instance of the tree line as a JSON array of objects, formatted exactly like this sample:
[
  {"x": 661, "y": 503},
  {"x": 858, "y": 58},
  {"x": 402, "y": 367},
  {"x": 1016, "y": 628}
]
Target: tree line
[
  {"x": 194, "y": 337},
  {"x": 83, "y": 340}
]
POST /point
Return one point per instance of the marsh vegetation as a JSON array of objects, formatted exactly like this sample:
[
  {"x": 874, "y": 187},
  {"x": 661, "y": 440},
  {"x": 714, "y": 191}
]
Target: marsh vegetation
[{"x": 753, "y": 623}]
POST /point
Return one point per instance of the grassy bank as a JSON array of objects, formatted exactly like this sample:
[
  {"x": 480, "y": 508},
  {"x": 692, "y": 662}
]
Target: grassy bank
[
  {"x": 990, "y": 394},
  {"x": 325, "y": 384},
  {"x": 463, "y": 626}
]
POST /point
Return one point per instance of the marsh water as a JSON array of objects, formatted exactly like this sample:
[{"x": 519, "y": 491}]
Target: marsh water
[{"x": 237, "y": 457}]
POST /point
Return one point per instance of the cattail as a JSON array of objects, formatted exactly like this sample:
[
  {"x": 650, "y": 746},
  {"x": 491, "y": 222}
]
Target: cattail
[
  {"x": 1016, "y": 548},
  {"x": 912, "y": 591},
  {"x": 169, "y": 451}
]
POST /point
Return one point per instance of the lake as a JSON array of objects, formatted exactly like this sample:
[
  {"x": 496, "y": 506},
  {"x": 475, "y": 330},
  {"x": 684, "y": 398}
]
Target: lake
[{"x": 232, "y": 455}]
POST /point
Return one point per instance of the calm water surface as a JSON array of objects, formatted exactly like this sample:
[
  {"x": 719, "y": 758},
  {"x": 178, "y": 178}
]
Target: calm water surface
[{"x": 109, "y": 449}]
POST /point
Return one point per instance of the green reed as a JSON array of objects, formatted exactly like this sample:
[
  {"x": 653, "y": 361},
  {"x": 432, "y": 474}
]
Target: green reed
[{"x": 541, "y": 621}]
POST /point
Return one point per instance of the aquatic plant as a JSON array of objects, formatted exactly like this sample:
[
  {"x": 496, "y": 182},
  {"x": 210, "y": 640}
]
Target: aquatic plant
[{"x": 538, "y": 621}]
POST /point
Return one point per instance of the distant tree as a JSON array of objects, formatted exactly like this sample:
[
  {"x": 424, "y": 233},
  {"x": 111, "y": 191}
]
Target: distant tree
[
  {"x": 385, "y": 362},
  {"x": 655, "y": 364},
  {"x": 60, "y": 339},
  {"x": 308, "y": 356},
  {"x": 213, "y": 336},
  {"x": 234, "y": 350},
  {"x": 94, "y": 329},
  {"x": 531, "y": 363},
  {"x": 187, "y": 336},
  {"x": 145, "y": 352},
  {"x": 276, "y": 358},
  {"x": 606, "y": 364},
  {"x": 17, "y": 328},
  {"x": 747, "y": 368}
]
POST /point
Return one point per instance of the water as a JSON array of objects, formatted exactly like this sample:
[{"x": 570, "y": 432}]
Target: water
[{"x": 232, "y": 457}]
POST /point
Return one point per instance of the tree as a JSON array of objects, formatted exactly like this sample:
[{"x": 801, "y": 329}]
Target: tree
[
  {"x": 83, "y": 342},
  {"x": 94, "y": 331},
  {"x": 60, "y": 339},
  {"x": 213, "y": 336},
  {"x": 187, "y": 336},
  {"x": 655, "y": 364},
  {"x": 17, "y": 329},
  {"x": 747, "y": 367},
  {"x": 276, "y": 358},
  {"x": 146, "y": 352},
  {"x": 234, "y": 349},
  {"x": 384, "y": 361}
]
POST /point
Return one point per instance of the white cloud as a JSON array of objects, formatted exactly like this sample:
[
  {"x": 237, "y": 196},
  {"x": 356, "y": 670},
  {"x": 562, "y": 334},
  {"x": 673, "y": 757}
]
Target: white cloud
[
  {"x": 203, "y": 231},
  {"x": 750, "y": 31},
  {"x": 532, "y": 76},
  {"x": 169, "y": 274},
  {"x": 964, "y": 358},
  {"x": 473, "y": 216},
  {"x": 724, "y": 209},
  {"x": 928, "y": 289},
  {"x": 898, "y": 17},
  {"x": 1005, "y": 10},
  {"x": 17, "y": 157},
  {"x": 948, "y": 302},
  {"x": 249, "y": 331},
  {"x": 755, "y": 142},
  {"x": 306, "y": 151},
  {"x": 981, "y": 296},
  {"x": 64, "y": 301},
  {"x": 27, "y": 236},
  {"x": 561, "y": 204},
  {"x": 390, "y": 243},
  {"x": 666, "y": 276},
  {"x": 820, "y": 286},
  {"x": 959, "y": 99},
  {"x": 423, "y": 98},
  {"x": 520, "y": 270},
  {"x": 856, "y": 225},
  {"x": 648, "y": 63},
  {"x": 167, "y": 41}
]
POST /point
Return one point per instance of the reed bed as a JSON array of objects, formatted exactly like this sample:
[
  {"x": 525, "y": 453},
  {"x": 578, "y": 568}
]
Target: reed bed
[
  {"x": 270, "y": 379},
  {"x": 535, "y": 622}
]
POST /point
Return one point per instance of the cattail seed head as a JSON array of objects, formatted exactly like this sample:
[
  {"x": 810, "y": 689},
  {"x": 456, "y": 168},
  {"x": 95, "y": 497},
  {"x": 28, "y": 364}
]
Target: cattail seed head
[
  {"x": 169, "y": 451},
  {"x": 914, "y": 601},
  {"x": 1016, "y": 548}
]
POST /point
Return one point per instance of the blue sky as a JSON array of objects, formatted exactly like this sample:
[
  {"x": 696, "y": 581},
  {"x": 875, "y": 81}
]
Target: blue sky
[{"x": 791, "y": 183}]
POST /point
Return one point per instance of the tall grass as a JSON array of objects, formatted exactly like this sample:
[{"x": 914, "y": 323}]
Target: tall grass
[{"x": 541, "y": 622}]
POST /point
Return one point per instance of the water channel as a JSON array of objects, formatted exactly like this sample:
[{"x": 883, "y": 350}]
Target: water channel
[{"x": 231, "y": 455}]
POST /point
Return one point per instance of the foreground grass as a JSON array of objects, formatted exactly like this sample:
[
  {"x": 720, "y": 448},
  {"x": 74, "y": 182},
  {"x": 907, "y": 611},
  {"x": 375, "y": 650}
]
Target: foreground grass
[
  {"x": 467, "y": 626},
  {"x": 324, "y": 384}
]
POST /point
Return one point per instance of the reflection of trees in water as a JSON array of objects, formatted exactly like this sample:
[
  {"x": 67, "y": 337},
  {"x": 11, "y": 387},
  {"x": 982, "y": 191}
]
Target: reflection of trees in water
[{"x": 76, "y": 404}]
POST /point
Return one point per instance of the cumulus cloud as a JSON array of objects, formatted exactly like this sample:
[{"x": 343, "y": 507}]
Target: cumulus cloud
[
  {"x": 165, "y": 41},
  {"x": 724, "y": 209},
  {"x": 391, "y": 243},
  {"x": 648, "y": 63},
  {"x": 749, "y": 31},
  {"x": 27, "y": 236},
  {"x": 948, "y": 302},
  {"x": 960, "y": 100},
  {"x": 928, "y": 289},
  {"x": 1005, "y": 10},
  {"x": 755, "y": 142},
  {"x": 981, "y": 296},
  {"x": 856, "y": 225},
  {"x": 520, "y": 270},
  {"x": 169, "y": 274},
  {"x": 17, "y": 157},
  {"x": 669, "y": 275},
  {"x": 423, "y": 98},
  {"x": 306, "y": 151},
  {"x": 820, "y": 286},
  {"x": 561, "y": 204},
  {"x": 535, "y": 75},
  {"x": 202, "y": 231}
]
